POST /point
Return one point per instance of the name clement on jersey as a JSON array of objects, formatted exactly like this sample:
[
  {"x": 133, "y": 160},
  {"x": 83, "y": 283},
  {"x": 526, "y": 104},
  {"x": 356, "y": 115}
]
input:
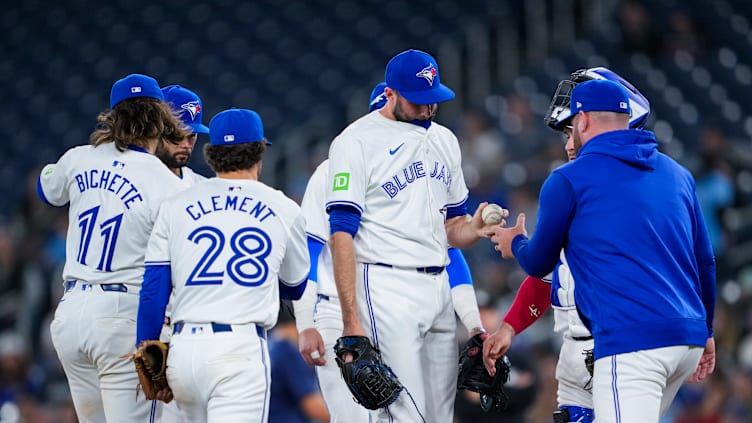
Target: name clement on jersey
[
  {"x": 109, "y": 181},
  {"x": 414, "y": 172},
  {"x": 215, "y": 203}
]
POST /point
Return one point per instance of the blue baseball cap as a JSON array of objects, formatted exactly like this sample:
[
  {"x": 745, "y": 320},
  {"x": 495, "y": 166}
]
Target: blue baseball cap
[
  {"x": 236, "y": 126},
  {"x": 134, "y": 85},
  {"x": 378, "y": 97},
  {"x": 599, "y": 95},
  {"x": 188, "y": 105},
  {"x": 415, "y": 75}
]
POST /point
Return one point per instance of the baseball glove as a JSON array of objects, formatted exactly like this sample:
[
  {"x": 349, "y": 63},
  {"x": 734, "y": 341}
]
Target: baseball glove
[
  {"x": 473, "y": 375},
  {"x": 151, "y": 365},
  {"x": 373, "y": 384}
]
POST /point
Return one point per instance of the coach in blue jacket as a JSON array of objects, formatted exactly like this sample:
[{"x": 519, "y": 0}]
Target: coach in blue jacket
[{"x": 628, "y": 219}]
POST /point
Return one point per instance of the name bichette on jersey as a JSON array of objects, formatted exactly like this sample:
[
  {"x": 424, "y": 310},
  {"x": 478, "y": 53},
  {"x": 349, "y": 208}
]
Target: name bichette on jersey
[
  {"x": 110, "y": 181},
  {"x": 246, "y": 205}
]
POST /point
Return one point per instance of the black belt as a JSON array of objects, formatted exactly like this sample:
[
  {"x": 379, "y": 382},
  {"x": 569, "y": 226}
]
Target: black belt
[
  {"x": 431, "y": 270},
  {"x": 217, "y": 327},
  {"x": 109, "y": 287},
  {"x": 582, "y": 338}
]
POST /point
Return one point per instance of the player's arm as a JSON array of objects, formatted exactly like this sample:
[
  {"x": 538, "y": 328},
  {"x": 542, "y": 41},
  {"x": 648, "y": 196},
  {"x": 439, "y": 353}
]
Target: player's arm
[
  {"x": 296, "y": 264},
  {"x": 344, "y": 222},
  {"x": 52, "y": 184},
  {"x": 157, "y": 284},
  {"x": 532, "y": 300},
  {"x": 463, "y": 294},
  {"x": 464, "y": 230},
  {"x": 155, "y": 292},
  {"x": 310, "y": 339},
  {"x": 538, "y": 255},
  {"x": 706, "y": 268}
]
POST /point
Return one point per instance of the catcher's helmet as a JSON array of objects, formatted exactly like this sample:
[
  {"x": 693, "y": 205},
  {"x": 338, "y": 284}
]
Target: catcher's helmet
[{"x": 559, "y": 115}]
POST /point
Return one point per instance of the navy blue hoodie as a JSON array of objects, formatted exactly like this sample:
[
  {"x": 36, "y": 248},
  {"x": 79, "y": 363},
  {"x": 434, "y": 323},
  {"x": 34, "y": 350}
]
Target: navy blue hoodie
[{"x": 630, "y": 224}]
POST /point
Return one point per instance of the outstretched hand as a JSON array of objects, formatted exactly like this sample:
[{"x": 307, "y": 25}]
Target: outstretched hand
[{"x": 503, "y": 237}]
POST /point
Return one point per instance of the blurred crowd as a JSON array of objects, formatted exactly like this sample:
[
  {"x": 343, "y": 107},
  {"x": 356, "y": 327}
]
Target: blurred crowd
[{"x": 507, "y": 154}]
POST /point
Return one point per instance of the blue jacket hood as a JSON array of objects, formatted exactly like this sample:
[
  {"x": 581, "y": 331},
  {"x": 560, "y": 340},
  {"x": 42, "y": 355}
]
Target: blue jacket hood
[{"x": 633, "y": 146}]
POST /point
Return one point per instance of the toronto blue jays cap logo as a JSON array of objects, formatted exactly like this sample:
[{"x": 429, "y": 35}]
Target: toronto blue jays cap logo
[
  {"x": 428, "y": 73},
  {"x": 192, "y": 107},
  {"x": 184, "y": 100}
]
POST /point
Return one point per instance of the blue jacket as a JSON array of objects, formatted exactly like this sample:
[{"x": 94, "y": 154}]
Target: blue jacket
[{"x": 632, "y": 230}]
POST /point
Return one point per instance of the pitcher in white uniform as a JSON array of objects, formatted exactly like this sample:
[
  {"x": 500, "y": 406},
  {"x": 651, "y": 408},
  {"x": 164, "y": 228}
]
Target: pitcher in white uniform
[
  {"x": 397, "y": 198},
  {"x": 318, "y": 314}
]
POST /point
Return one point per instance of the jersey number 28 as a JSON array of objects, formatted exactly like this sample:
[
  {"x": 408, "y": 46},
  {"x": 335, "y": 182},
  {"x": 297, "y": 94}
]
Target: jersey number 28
[{"x": 246, "y": 267}]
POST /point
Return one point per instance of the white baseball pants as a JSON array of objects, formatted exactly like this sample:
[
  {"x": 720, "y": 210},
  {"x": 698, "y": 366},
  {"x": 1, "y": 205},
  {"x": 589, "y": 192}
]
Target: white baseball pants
[
  {"x": 91, "y": 332},
  {"x": 640, "y": 386}
]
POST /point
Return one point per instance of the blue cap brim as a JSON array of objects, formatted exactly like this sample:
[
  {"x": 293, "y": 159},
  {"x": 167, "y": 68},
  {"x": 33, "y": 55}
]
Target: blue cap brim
[
  {"x": 436, "y": 95},
  {"x": 199, "y": 128}
]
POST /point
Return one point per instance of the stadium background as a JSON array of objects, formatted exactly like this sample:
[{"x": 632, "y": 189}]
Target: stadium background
[{"x": 307, "y": 67}]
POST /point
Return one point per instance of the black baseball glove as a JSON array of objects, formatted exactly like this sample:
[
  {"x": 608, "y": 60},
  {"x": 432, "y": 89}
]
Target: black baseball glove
[
  {"x": 473, "y": 375},
  {"x": 373, "y": 384}
]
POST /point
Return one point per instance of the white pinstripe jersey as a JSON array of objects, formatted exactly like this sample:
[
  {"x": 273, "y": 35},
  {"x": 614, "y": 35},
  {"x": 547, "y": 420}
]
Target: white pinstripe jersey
[
  {"x": 401, "y": 177},
  {"x": 228, "y": 243},
  {"x": 317, "y": 226},
  {"x": 114, "y": 198}
]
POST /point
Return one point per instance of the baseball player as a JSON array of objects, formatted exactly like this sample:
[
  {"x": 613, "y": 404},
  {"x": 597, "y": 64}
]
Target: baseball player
[
  {"x": 656, "y": 274},
  {"x": 535, "y": 295},
  {"x": 397, "y": 198},
  {"x": 114, "y": 188},
  {"x": 176, "y": 156},
  {"x": 189, "y": 107},
  {"x": 318, "y": 313},
  {"x": 229, "y": 247}
]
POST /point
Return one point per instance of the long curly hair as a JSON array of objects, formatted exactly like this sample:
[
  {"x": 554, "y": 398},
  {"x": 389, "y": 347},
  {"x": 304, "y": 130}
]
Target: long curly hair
[{"x": 137, "y": 120}]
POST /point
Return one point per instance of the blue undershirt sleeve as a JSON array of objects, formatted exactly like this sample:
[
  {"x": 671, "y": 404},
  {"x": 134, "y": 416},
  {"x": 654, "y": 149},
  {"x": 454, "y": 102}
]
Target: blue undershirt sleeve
[
  {"x": 458, "y": 270},
  {"x": 153, "y": 298},
  {"x": 314, "y": 250},
  {"x": 539, "y": 255},
  {"x": 344, "y": 219}
]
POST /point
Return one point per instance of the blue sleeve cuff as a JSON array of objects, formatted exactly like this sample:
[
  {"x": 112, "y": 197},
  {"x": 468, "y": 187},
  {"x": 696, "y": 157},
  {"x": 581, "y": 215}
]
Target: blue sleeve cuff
[
  {"x": 458, "y": 210},
  {"x": 314, "y": 250},
  {"x": 458, "y": 270},
  {"x": 287, "y": 292},
  {"x": 344, "y": 219},
  {"x": 40, "y": 191},
  {"x": 153, "y": 298}
]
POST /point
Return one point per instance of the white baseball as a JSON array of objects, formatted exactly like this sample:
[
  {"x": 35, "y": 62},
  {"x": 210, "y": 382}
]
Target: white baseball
[
  {"x": 315, "y": 355},
  {"x": 492, "y": 214}
]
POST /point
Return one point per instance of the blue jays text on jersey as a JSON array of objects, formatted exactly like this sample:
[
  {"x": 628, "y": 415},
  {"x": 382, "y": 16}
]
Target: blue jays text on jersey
[
  {"x": 110, "y": 181},
  {"x": 246, "y": 205},
  {"x": 413, "y": 172}
]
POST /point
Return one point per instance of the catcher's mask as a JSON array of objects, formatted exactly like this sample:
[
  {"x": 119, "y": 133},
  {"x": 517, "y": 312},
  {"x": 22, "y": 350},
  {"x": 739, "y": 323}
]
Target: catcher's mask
[{"x": 559, "y": 115}]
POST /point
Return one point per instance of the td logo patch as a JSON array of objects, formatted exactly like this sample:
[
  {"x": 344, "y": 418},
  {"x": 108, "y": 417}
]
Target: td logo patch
[{"x": 341, "y": 181}]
